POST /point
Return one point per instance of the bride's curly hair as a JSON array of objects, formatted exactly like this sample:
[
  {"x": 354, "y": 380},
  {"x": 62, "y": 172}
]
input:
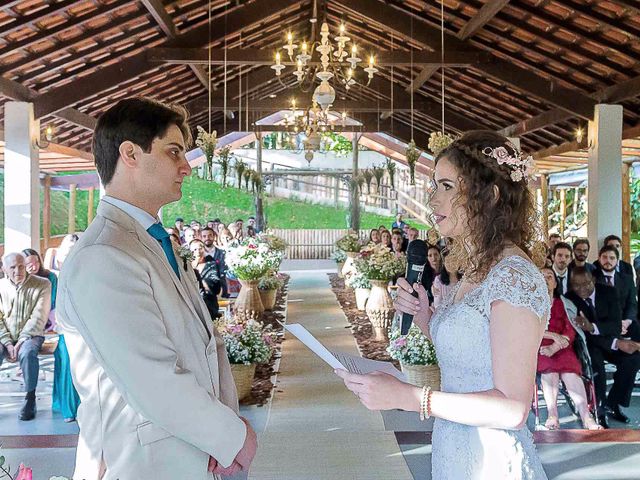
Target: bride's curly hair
[{"x": 492, "y": 222}]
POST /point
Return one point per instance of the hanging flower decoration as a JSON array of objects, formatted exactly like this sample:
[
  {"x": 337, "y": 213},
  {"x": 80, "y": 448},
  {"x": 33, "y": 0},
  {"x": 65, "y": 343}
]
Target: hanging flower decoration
[
  {"x": 438, "y": 141},
  {"x": 412, "y": 154},
  {"x": 391, "y": 170},
  {"x": 224, "y": 160},
  {"x": 367, "y": 174},
  {"x": 378, "y": 174},
  {"x": 207, "y": 143},
  {"x": 256, "y": 182},
  {"x": 240, "y": 167},
  {"x": 247, "y": 175}
]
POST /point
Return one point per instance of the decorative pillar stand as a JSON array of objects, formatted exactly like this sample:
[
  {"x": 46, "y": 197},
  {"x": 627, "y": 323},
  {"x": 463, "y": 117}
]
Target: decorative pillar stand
[{"x": 380, "y": 309}]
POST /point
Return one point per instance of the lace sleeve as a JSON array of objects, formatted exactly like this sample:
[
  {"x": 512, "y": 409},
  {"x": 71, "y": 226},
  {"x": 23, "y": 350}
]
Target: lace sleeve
[{"x": 518, "y": 282}]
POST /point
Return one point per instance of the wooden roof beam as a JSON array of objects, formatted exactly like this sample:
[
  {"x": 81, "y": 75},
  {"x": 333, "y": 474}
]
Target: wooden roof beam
[
  {"x": 19, "y": 92},
  {"x": 613, "y": 94},
  {"x": 94, "y": 83},
  {"x": 257, "y": 56},
  {"x": 29, "y": 19},
  {"x": 484, "y": 16},
  {"x": 385, "y": 15},
  {"x": 425, "y": 74}
]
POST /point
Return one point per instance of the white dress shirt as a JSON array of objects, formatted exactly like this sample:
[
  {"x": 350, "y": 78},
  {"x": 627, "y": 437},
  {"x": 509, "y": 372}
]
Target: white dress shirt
[
  {"x": 565, "y": 279},
  {"x": 138, "y": 214}
]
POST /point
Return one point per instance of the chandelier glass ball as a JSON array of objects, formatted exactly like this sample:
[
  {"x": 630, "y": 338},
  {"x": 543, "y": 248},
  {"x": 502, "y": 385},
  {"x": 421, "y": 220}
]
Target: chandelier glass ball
[{"x": 324, "y": 95}]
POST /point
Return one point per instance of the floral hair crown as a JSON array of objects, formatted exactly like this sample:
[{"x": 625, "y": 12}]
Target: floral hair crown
[{"x": 522, "y": 168}]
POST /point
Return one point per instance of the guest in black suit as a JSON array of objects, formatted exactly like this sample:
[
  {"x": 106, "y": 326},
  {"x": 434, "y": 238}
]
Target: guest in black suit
[
  {"x": 561, "y": 256},
  {"x": 600, "y": 318},
  {"x": 616, "y": 242},
  {"x": 606, "y": 274}
]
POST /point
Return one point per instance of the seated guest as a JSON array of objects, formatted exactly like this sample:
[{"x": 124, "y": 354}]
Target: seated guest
[
  {"x": 63, "y": 251},
  {"x": 581, "y": 249},
  {"x": 382, "y": 228},
  {"x": 413, "y": 234},
  {"x": 209, "y": 238},
  {"x": 65, "y": 397},
  {"x": 397, "y": 243},
  {"x": 224, "y": 238},
  {"x": 251, "y": 222},
  {"x": 25, "y": 301},
  {"x": 178, "y": 225},
  {"x": 600, "y": 318},
  {"x": 553, "y": 239},
  {"x": 615, "y": 242},
  {"x": 405, "y": 231},
  {"x": 405, "y": 242},
  {"x": 189, "y": 235},
  {"x": 561, "y": 256},
  {"x": 374, "y": 236},
  {"x": 444, "y": 283},
  {"x": 399, "y": 223},
  {"x": 606, "y": 274},
  {"x": 385, "y": 239},
  {"x": 251, "y": 232},
  {"x": 213, "y": 224},
  {"x": 557, "y": 359},
  {"x": 204, "y": 266},
  {"x": 434, "y": 258},
  {"x": 239, "y": 228},
  {"x": 236, "y": 231}
]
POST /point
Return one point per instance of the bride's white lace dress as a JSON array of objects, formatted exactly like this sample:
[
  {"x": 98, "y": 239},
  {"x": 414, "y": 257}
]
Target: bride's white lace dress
[{"x": 460, "y": 333}]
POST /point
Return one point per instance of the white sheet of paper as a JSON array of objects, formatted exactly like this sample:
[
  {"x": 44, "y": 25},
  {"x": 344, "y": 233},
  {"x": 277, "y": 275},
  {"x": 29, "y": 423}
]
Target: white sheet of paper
[
  {"x": 313, "y": 344},
  {"x": 342, "y": 360}
]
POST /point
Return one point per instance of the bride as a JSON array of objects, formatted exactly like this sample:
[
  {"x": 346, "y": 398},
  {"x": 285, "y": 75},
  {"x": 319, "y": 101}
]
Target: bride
[{"x": 488, "y": 331}]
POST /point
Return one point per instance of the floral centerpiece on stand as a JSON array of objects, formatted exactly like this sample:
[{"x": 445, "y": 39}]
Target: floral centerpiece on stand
[
  {"x": 362, "y": 288},
  {"x": 247, "y": 345},
  {"x": 350, "y": 244},
  {"x": 380, "y": 265},
  {"x": 339, "y": 257},
  {"x": 249, "y": 260},
  {"x": 417, "y": 356}
]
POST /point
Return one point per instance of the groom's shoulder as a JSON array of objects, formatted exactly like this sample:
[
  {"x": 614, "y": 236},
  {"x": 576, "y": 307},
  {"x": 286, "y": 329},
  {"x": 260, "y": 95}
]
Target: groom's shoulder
[{"x": 102, "y": 240}]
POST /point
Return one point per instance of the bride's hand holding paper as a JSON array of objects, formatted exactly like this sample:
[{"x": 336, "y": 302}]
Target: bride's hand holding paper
[{"x": 380, "y": 391}]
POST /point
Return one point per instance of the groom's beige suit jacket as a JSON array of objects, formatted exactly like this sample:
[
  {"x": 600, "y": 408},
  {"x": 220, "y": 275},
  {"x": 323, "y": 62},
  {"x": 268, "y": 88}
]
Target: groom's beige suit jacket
[{"x": 156, "y": 388}]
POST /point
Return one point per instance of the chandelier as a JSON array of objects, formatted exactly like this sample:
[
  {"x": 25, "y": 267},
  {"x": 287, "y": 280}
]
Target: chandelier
[
  {"x": 334, "y": 60},
  {"x": 311, "y": 124}
]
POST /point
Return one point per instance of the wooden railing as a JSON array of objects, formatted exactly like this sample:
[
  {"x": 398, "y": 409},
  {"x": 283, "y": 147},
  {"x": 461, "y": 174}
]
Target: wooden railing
[{"x": 315, "y": 244}]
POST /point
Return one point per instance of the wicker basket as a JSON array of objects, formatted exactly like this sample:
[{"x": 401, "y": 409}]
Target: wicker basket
[
  {"x": 268, "y": 298},
  {"x": 420, "y": 375},
  {"x": 243, "y": 378}
]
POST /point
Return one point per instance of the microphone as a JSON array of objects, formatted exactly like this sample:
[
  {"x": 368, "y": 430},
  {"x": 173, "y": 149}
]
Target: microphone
[{"x": 416, "y": 261}]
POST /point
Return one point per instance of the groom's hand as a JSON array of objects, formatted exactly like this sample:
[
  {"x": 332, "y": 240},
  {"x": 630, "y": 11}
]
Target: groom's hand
[
  {"x": 217, "y": 469},
  {"x": 248, "y": 450}
]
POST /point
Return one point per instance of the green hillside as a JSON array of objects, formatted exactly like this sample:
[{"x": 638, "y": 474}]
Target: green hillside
[{"x": 204, "y": 200}]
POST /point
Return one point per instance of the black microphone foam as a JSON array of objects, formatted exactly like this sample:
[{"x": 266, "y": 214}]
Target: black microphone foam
[{"x": 416, "y": 261}]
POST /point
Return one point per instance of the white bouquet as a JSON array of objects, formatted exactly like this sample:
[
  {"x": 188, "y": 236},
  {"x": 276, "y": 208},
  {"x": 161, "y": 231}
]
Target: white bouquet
[{"x": 378, "y": 262}]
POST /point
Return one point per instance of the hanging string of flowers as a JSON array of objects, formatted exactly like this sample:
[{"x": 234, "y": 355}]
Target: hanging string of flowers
[
  {"x": 207, "y": 142},
  {"x": 240, "y": 167},
  {"x": 378, "y": 174},
  {"x": 438, "y": 141},
  {"x": 412, "y": 154},
  {"x": 391, "y": 170},
  {"x": 224, "y": 160},
  {"x": 367, "y": 174}
]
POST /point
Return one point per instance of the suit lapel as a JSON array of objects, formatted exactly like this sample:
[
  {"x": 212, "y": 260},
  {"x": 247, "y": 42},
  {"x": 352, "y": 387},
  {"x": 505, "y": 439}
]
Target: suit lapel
[{"x": 151, "y": 244}]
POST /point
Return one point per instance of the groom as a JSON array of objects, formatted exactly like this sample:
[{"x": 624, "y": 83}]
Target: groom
[{"x": 158, "y": 398}]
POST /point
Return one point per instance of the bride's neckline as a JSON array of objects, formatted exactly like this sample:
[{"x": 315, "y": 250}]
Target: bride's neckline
[{"x": 458, "y": 285}]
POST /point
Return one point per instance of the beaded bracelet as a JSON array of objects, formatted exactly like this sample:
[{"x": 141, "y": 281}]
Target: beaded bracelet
[{"x": 425, "y": 403}]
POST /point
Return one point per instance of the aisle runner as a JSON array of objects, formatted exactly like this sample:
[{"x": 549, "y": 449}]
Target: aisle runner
[{"x": 318, "y": 429}]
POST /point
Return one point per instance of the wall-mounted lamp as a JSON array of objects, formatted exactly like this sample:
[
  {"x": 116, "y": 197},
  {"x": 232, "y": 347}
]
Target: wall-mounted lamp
[
  {"x": 48, "y": 136},
  {"x": 580, "y": 136}
]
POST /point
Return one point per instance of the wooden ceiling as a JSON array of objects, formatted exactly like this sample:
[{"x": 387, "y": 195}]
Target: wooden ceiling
[{"x": 528, "y": 68}]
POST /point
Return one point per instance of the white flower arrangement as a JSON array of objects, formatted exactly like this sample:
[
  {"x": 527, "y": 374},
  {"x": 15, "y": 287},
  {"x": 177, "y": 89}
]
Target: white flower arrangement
[
  {"x": 358, "y": 280},
  {"x": 207, "y": 141},
  {"x": 339, "y": 256},
  {"x": 438, "y": 141},
  {"x": 412, "y": 154},
  {"x": 247, "y": 343},
  {"x": 378, "y": 262},
  {"x": 349, "y": 243},
  {"x": 252, "y": 258},
  {"x": 411, "y": 349},
  {"x": 270, "y": 282}
]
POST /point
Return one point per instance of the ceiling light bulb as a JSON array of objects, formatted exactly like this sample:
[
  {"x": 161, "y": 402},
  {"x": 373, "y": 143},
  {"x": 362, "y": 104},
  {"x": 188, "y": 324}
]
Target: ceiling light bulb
[
  {"x": 342, "y": 28},
  {"x": 304, "y": 47},
  {"x": 289, "y": 37},
  {"x": 354, "y": 49}
]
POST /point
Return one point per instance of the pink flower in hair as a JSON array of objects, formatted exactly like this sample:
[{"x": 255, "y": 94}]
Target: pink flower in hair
[{"x": 501, "y": 154}]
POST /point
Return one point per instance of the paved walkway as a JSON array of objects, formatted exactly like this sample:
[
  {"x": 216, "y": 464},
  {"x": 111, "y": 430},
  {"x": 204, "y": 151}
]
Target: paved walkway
[{"x": 316, "y": 428}]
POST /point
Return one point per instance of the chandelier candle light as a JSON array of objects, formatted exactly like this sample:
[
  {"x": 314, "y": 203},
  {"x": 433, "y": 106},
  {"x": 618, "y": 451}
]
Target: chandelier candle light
[{"x": 333, "y": 57}]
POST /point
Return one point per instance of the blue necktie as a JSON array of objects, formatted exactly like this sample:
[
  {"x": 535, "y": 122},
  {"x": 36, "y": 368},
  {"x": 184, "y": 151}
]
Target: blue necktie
[{"x": 158, "y": 232}]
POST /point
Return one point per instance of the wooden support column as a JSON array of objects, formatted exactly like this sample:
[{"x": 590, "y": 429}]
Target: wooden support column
[
  {"x": 544, "y": 208},
  {"x": 272, "y": 188},
  {"x": 336, "y": 191},
  {"x": 355, "y": 194},
  {"x": 626, "y": 214},
  {"x": 258, "y": 200},
  {"x": 72, "y": 208},
  {"x": 46, "y": 213},
  {"x": 563, "y": 211},
  {"x": 90, "y": 205}
]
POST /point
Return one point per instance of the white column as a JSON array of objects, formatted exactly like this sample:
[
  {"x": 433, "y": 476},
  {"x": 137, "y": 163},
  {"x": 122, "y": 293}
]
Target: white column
[
  {"x": 21, "y": 178},
  {"x": 605, "y": 175}
]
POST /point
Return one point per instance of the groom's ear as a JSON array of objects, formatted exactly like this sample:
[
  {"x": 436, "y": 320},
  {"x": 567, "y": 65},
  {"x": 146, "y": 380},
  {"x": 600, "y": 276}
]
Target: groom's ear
[{"x": 128, "y": 151}]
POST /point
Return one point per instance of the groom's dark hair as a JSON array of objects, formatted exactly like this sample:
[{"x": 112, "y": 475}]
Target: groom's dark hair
[{"x": 139, "y": 120}]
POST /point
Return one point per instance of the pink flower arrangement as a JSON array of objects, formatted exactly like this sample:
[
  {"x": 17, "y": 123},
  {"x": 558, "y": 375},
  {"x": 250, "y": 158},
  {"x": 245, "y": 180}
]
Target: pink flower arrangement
[{"x": 24, "y": 473}]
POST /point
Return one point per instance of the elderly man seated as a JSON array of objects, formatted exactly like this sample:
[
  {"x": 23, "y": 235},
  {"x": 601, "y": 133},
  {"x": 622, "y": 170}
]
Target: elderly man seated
[{"x": 25, "y": 301}]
